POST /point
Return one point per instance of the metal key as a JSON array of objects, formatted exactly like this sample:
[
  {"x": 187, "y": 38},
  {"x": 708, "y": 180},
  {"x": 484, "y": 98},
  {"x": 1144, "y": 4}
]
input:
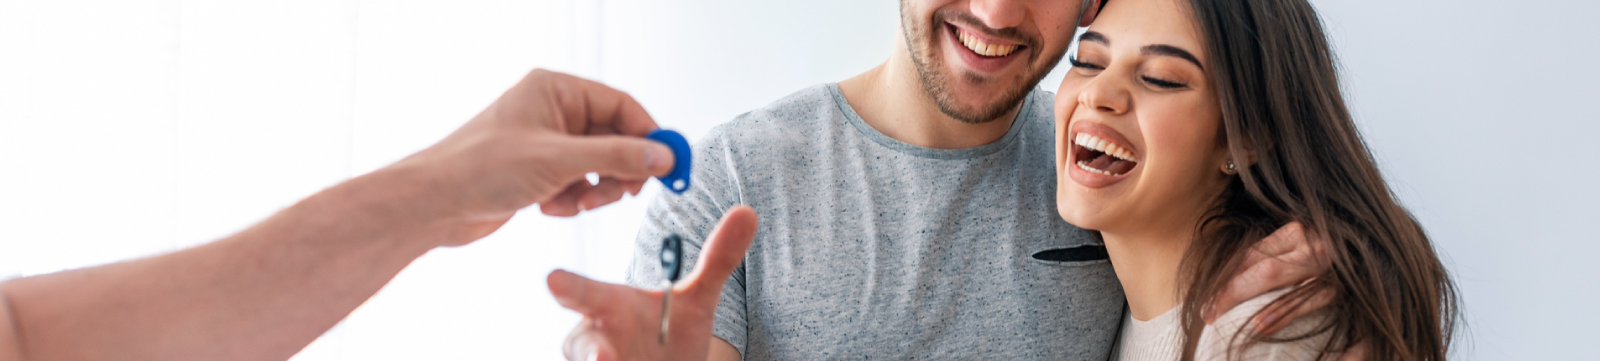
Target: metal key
[{"x": 671, "y": 266}]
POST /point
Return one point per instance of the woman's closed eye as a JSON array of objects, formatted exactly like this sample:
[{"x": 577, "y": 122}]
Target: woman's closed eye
[
  {"x": 1084, "y": 65},
  {"x": 1153, "y": 81},
  {"x": 1163, "y": 83}
]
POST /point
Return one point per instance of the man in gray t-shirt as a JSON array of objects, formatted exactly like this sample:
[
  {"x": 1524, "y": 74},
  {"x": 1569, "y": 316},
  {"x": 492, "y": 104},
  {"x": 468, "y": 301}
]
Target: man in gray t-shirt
[{"x": 901, "y": 209}]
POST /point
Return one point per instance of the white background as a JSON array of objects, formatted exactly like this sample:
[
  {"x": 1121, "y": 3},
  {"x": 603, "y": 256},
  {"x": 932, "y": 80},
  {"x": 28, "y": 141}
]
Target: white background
[{"x": 130, "y": 128}]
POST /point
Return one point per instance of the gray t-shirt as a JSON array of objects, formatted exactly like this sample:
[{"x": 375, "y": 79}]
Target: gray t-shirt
[{"x": 873, "y": 248}]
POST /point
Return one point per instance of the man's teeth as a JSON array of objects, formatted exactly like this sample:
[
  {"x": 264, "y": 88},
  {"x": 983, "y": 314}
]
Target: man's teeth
[
  {"x": 1092, "y": 142},
  {"x": 982, "y": 48}
]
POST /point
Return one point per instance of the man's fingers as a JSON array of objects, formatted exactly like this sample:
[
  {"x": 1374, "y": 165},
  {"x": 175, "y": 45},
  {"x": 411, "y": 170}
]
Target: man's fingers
[
  {"x": 604, "y": 192},
  {"x": 723, "y": 251},
  {"x": 565, "y": 204},
  {"x": 1284, "y": 240},
  {"x": 593, "y": 108},
  {"x": 621, "y": 157},
  {"x": 583, "y": 295},
  {"x": 1282, "y": 259},
  {"x": 1280, "y": 315},
  {"x": 1258, "y": 279}
]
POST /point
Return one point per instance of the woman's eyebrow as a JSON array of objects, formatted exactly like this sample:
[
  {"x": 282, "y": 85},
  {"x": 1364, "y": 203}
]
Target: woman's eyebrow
[
  {"x": 1095, "y": 37},
  {"x": 1169, "y": 50}
]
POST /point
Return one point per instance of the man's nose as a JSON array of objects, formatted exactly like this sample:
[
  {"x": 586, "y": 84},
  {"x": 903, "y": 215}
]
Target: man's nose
[{"x": 999, "y": 14}]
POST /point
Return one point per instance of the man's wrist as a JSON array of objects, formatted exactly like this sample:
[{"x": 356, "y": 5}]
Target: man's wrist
[{"x": 392, "y": 203}]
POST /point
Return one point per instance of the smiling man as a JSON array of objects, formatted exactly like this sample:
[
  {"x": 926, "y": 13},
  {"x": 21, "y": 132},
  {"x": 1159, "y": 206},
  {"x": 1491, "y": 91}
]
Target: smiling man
[
  {"x": 902, "y": 209},
  {"x": 906, "y": 213}
]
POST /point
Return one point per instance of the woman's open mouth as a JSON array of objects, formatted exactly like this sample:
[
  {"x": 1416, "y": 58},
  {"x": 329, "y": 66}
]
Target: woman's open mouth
[{"x": 1101, "y": 156}]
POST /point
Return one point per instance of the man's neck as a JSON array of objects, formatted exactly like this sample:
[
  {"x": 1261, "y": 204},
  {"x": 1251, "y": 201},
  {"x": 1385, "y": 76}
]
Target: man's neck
[
  {"x": 891, "y": 99},
  {"x": 1147, "y": 267}
]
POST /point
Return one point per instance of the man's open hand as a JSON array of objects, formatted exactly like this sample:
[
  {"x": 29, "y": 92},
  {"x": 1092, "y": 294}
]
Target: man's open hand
[{"x": 623, "y": 323}]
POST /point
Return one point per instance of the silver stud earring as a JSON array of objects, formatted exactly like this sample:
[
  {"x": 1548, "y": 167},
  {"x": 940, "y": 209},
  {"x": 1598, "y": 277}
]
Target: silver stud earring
[{"x": 1229, "y": 168}]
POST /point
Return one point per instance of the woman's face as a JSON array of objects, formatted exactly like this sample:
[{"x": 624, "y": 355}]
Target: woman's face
[{"x": 1137, "y": 129}]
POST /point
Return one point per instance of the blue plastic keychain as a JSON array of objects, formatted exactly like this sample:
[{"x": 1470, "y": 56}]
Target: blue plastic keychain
[
  {"x": 678, "y": 180},
  {"x": 672, "y": 246}
]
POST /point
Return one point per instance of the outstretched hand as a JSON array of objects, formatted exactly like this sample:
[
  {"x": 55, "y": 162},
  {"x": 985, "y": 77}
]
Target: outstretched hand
[{"x": 623, "y": 323}]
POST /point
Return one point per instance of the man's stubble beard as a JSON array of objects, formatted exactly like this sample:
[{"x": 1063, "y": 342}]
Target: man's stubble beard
[{"x": 919, "y": 42}]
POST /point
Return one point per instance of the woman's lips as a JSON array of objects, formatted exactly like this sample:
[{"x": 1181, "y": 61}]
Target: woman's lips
[{"x": 1098, "y": 156}]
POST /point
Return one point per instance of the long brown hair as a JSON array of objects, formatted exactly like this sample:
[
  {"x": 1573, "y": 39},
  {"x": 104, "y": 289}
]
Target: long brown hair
[{"x": 1285, "y": 120}]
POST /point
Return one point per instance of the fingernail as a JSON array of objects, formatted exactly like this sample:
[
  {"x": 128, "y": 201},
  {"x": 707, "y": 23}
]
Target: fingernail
[{"x": 657, "y": 158}]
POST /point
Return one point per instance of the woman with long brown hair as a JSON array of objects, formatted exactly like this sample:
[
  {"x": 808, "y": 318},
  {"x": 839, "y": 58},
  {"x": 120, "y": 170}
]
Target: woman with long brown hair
[{"x": 1187, "y": 130}]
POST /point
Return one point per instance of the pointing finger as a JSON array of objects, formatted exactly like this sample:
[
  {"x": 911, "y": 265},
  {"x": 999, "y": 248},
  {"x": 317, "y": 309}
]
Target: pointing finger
[{"x": 723, "y": 252}]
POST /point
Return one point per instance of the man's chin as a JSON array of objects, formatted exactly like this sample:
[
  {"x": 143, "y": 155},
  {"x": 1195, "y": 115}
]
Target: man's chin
[
  {"x": 976, "y": 100},
  {"x": 977, "y": 111}
]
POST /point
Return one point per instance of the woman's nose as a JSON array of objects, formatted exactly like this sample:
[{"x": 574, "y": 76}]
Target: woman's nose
[{"x": 1105, "y": 94}]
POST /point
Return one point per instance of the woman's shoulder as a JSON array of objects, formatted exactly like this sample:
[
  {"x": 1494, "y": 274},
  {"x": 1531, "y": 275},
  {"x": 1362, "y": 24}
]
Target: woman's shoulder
[{"x": 1234, "y": 328}]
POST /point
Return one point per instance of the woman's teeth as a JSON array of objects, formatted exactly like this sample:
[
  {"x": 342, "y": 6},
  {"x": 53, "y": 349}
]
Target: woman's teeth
[
  {"x": 1084, "y": 165},
  {"x": 1101, "y": 156},
  {"x": 1101, "y": 145},
  {"x": 982, "y": 48}
]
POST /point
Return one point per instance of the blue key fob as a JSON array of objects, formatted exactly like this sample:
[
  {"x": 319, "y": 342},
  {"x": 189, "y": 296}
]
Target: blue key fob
[{"x": 678, "y": 180}]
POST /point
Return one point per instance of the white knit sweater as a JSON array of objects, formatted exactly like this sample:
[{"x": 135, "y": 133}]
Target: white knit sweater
[{"x": 1160, "y": 338}]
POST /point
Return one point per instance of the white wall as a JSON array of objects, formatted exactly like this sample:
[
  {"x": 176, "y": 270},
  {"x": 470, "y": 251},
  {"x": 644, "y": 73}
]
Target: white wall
[
  {"x": 129, "y": 128},
  {"x": 1483, "y": 115}
]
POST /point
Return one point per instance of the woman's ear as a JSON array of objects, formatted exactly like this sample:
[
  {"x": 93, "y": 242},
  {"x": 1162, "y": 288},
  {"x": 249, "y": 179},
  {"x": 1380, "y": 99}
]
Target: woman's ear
[
  {"x": 1091, "y": 8},
  {"x": 1245, "y": 158},
  {"x": 1248, "y": 156}
]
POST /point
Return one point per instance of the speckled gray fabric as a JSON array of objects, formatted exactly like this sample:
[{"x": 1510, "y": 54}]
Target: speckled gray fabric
[{"x": 870, "y": 248}]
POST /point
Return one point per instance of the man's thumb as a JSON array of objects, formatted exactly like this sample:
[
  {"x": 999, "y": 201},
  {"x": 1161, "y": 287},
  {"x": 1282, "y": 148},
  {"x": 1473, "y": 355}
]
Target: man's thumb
[
  {"x": 723, "y": 252},
  {"x": 615, "y": 156}
]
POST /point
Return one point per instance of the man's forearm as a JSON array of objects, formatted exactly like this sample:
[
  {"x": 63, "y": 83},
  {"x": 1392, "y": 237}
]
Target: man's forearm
[{"x": 262, "y": 294}]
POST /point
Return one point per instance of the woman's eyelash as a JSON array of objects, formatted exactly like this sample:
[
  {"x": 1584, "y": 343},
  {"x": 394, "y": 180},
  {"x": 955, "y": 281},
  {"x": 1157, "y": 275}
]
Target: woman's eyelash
[
  {"x": 1158, "y": 82},
  {"x": 1166, "y": 84},
  {"x": 1078, "y": 64}
]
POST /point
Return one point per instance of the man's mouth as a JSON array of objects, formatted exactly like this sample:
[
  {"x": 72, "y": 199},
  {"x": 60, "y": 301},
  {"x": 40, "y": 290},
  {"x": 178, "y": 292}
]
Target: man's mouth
[
  {"x": 1101, "y": 156},
  {"x": 983, "y": 47}
]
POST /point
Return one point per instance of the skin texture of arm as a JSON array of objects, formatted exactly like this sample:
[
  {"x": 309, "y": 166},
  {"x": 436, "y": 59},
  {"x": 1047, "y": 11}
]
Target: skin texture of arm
[{"x": 268, "y": 291}]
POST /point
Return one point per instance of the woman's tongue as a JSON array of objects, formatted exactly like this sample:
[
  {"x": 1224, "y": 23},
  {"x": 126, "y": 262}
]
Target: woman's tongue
[{"x": 1111, "y": 164}]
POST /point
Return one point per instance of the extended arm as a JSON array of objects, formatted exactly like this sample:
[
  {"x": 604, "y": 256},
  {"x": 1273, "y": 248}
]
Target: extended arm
[{"x": 268, "y": 291}]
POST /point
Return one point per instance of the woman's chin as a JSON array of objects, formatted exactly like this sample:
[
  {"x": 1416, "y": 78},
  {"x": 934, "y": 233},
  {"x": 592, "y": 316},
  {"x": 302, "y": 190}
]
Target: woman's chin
[{"x": 1079, "y": 209}]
